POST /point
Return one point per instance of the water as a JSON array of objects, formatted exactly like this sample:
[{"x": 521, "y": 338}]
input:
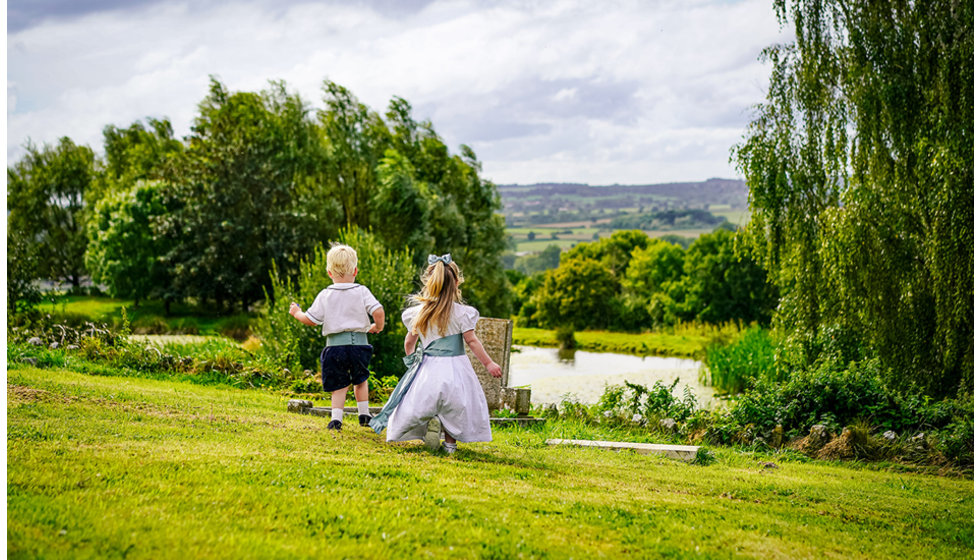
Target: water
[{"x": 585, "y": 377}]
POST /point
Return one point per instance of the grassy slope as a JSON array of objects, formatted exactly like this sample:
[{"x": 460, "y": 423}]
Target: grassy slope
[
  {"x": 109, "y": 310},
  {"x": 111, "y": 466},
  {"x": 688, "y": 343}
]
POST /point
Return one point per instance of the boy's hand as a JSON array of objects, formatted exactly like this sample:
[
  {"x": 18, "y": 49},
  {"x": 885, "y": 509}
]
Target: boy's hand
[
  {"x": 374, "y": 328},
  {"x": 494, "y": 369},
  {"x": 294, "y": 308}
]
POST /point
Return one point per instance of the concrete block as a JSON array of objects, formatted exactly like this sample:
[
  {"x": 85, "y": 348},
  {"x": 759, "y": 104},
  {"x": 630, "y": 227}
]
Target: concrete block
[{"x": 683, "y": 452}]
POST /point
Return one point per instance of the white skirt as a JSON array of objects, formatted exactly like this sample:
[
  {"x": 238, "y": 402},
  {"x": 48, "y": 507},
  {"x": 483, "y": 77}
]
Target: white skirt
[{"x": 446, "y": 387}]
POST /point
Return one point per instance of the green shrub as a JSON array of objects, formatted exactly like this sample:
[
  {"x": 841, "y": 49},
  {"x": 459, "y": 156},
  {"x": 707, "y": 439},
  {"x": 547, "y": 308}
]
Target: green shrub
[
  {"x": 731, "y": 367},
  {"x": 390, "y": 277}
]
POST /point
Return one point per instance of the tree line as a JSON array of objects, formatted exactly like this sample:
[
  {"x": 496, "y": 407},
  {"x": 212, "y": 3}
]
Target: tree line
[
  {"x": 630, "y": 281},
  {"x": 261, "y": 181}
]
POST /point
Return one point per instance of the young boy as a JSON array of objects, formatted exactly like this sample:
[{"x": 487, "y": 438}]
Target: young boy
[{"x": 343, "y": 309}]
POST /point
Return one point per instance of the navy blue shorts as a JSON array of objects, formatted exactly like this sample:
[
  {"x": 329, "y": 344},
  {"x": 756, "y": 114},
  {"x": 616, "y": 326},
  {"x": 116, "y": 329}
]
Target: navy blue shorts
[{"x": 342, "y": 366}]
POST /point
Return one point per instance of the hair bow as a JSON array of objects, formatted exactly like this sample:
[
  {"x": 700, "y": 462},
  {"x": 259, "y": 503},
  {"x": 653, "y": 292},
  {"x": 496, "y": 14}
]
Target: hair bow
[{"x": 445, "y": 258}]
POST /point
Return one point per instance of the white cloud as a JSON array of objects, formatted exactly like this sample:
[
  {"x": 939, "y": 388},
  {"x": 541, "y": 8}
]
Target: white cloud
[{"x": 573, "y": 90}]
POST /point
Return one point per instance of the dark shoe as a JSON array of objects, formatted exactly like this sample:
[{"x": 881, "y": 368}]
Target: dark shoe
[
  {"x": 334, "y": 425},
  {"x": 364, "y": 419}
]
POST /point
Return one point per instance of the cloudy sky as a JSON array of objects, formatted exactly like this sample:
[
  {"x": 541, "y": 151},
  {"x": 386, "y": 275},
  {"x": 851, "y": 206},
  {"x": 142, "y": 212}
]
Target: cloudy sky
[{"x": 628, "y": 92}]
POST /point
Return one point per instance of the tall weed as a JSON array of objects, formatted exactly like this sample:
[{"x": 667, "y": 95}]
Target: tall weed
[{"x": 732, "y": 367}]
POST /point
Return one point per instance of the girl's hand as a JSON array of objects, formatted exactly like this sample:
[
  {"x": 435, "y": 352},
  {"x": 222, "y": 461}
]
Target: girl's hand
[
  {"x": 374, "y": 328},
  {"x": 494, "y": 369},
  {"x": 294, "y": 308}
]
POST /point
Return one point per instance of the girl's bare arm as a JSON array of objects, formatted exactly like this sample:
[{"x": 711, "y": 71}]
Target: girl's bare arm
[
  {"x": 410, "y": 340},
  {"x": 481, "y": 354}
]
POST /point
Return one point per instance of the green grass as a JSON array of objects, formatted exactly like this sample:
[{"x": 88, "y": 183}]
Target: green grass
[
  {"x": 149, "y": 317},
  {"x": 106, "y": 467},
  {"x": 686, "y": 341}
]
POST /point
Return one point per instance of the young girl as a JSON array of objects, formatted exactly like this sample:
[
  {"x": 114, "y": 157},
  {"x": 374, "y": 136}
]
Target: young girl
[{"x": 440, "y": 382}]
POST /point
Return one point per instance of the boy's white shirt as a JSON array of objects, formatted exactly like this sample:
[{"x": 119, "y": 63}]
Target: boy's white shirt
[{"x": 343, "y": 307}]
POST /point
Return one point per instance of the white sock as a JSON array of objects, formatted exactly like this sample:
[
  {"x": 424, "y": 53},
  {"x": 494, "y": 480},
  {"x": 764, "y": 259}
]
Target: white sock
[
  {"x": 362, "y": 407},
  {"x": 337, "y": 414}
]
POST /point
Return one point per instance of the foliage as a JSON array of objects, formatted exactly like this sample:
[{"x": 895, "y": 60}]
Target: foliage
[
  {"x": 631, "y": 282},
  {"x": 23, "y": 293},
  {"x": 388, "y": 274},
  {"x": 238, "y": 193},
  {"x": 104, "y": 350},
  {"x": 547, "y": 259},
  {"x": 860, "y": 174},
  {"x": 578, "y": 293},
  {"x": 732, "y": 367},
  {"x": 632, "y": 402},
  {"x": 123, "y": 252},
  {"x": 719, "y": 285},
  {"x": 136, "y": 153},
  {"x": 838, "y": 396},
  {"x": 46, "y": 207},
  {"x": 395, "y": 176},
  {"x": 566, "y": 338}
]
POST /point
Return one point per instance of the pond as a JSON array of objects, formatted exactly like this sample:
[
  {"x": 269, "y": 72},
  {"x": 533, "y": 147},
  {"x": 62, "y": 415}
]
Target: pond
[{"x": 585, "y": 376}]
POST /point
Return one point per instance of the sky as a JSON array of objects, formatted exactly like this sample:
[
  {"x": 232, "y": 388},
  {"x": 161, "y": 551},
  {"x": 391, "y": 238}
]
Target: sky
[{"x": 618, "y": 91}]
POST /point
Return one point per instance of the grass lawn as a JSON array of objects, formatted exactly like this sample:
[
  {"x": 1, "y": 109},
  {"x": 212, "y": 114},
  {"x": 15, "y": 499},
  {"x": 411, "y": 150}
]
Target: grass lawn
[
  {"x": 107, "y": 467},
  {"x": 149, "y": 317},
  {"x": 684, "y": 342}
]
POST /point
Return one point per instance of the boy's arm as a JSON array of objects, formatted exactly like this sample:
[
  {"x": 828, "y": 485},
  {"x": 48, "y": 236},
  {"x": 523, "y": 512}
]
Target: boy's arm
[
  {"x": 379, "y": 320},
  {"x": 300, "y": 315},
  {"x": 481, "y": 354}
]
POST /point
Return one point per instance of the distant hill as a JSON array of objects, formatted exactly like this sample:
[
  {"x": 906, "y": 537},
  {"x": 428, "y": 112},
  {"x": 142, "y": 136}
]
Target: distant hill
[{"x": 543, "y": 202}]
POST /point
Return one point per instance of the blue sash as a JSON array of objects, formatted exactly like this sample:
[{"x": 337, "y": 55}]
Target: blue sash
[{"x": 451, "y": 345}]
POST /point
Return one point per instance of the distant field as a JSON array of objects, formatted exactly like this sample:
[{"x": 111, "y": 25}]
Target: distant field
[{"x": 737, "y": 217}]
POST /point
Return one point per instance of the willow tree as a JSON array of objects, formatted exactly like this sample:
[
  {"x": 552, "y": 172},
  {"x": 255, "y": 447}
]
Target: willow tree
[{"x": 860, "y": 173}]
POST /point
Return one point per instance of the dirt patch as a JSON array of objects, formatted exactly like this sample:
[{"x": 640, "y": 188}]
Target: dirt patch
[
  {"x": 23, "y": 394},
  {"x": 20, "y": 393}
]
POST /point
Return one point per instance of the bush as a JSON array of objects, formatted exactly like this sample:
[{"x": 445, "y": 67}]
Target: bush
[
  {"x": 731, "y": 367},
  {"x": 389, "y": 276}
]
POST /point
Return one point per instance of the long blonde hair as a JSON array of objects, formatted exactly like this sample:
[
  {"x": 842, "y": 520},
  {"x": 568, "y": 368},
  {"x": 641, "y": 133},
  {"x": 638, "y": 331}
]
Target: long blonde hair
[{"x": 440, "y": 290}]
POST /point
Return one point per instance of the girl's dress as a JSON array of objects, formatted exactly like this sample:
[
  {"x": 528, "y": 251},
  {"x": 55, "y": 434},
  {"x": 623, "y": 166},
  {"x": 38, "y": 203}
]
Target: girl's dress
[{"x": 445, "y": 387}]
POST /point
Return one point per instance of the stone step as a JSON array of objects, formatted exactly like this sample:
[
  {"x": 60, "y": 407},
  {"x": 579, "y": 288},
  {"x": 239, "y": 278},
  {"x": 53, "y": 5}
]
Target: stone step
[{"x": 683, "y": 452}]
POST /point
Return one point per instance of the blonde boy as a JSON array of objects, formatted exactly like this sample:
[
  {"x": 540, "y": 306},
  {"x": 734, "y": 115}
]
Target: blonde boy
[{"x": 345, "y": 310}]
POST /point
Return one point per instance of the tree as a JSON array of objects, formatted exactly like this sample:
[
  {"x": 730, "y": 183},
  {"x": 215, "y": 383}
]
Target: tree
[
  {"x": 138, "y": 152},
  {"x": 720, "y": 286},
  {"x": 241, "y": 197},
  {"x": 860, "y": 174},
  {"x": 22, "y": 291},
  {"x": 124, "y": 252},
  {"x": 46, "y": 193},
  {"x": 650, "y": 273},
  {"x": 579, "y": 293},
  {"x": 401, "y": 205}
]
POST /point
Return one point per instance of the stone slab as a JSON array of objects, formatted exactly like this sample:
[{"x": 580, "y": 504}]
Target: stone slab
[
  {"x": 497, "y": 338},
  {"x": 683, "y": 452},
  {"x": 519, "y": 421}
]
